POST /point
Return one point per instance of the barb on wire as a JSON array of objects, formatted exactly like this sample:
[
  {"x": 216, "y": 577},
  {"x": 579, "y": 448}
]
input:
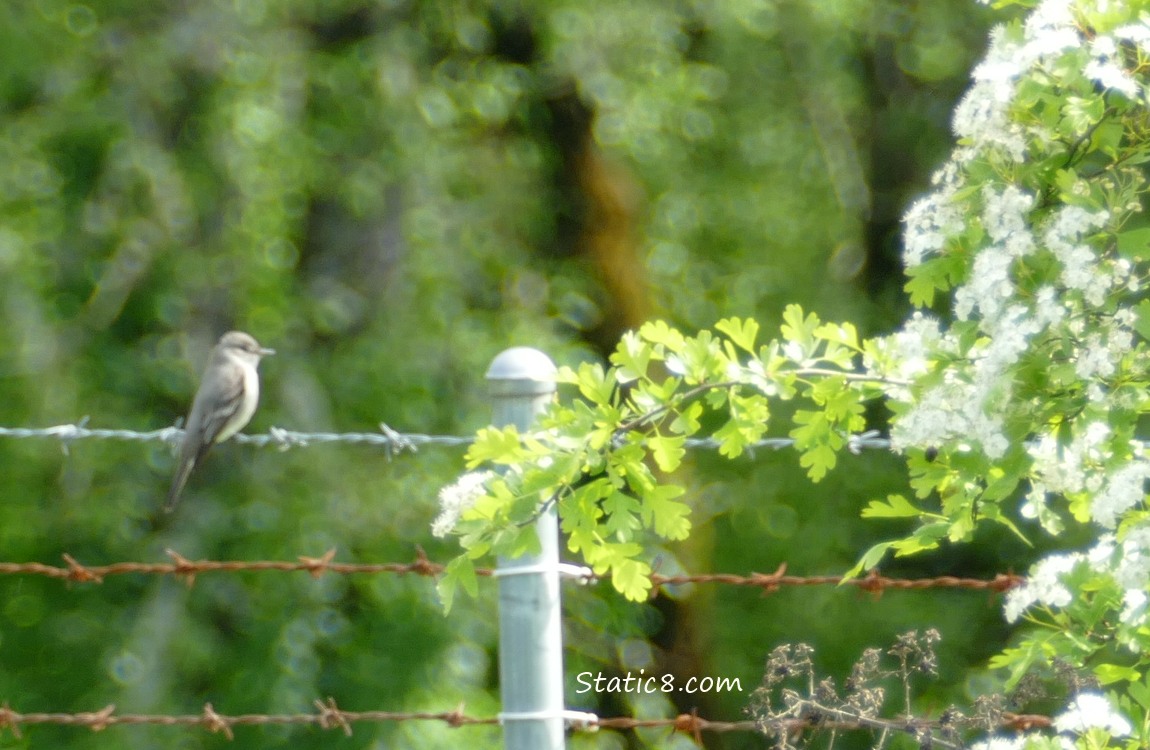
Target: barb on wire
[
  {"x": 186, "y": 569},
  {"x": 330, "y": 716},
  {"x": 390, "y": 440}
]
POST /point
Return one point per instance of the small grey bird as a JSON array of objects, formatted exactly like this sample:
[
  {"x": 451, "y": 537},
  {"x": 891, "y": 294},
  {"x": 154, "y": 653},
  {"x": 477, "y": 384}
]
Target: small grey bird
[{"x": 229, "y": 392}]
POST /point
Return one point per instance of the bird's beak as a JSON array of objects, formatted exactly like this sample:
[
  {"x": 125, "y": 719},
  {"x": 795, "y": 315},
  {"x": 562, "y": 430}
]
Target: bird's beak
[{"x": 267, "y": 352}]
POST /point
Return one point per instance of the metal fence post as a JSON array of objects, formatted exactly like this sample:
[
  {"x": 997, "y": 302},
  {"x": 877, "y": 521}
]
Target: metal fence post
[{"x": 521, "y": 383}]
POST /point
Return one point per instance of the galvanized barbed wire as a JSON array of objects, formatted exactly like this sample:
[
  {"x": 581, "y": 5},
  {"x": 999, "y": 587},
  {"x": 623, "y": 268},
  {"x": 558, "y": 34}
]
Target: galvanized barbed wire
[
  {"x": 328, "y": 715},
  {"x": 392, "y": 441},
  {"x": 182, "y": 567}
]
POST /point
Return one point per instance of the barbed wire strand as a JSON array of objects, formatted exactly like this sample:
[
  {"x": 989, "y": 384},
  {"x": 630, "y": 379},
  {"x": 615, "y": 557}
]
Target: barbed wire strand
[
  {"x": 331, "y": 716},
  {"x": 392, "y": 441},
  {"x": 182, "y": 567}
]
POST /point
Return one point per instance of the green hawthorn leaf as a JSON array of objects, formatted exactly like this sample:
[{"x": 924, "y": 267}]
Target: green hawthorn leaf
[
  {"x": 686, "y": 422},
  {"x": 495, "y": 445},
  {"x": 632, "y": 579},
  {"x": 816, "y": 442},
  {"x": 632, "y": 357},
  {"x": 669, "y": 518},
  {"x": 668, "y": 451},
  {"x": 622, "y": 512},
  {"x": 741, "y": 332},
  {"x": 658, "y": 332},
  {"x": 1111, "y": 673},
  {"x": 459, "y": 573},
  {"x": 869, "y": 560},
  {"x": 797, "y": 328},
  {"x": 596, "y": 384},
  {"x": 896, "y": 506}
]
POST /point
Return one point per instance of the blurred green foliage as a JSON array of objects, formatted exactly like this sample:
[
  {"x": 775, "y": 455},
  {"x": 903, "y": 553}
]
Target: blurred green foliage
[{"x": 389, "y": 193}]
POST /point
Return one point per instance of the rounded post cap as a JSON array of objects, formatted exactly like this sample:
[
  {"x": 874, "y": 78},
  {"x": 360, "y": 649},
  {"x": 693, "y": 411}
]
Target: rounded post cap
[{"x": 530, "y": 370}]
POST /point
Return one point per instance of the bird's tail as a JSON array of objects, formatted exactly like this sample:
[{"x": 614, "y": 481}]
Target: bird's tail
[{"x": 178, "y": 482}]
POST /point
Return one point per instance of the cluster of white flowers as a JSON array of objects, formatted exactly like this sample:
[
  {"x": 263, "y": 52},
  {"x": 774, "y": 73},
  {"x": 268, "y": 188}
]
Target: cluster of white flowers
[
  {"x": 1086, "y": 711},
  {"x": 1105, "y": 71},
  {"x": 1065, "y": 467},
  {"x": 1138, "y": 33},
  {"x": 929, "y": 223},
  {"x": 970, "y": 409},
  {"x": 908, "y": 353},
  {"x": 456, "y": 498},
  {"x": 1043, "y": 586},
  {"x": 1122, "y": 489},
  {"x": 1011, "y": 318},
  {"x": 1038, "y": 281},
  {"x": 1030, "y": 741},
  {"x": 1081, "y": 269},
  {"x": 982, "y": 118},
  {"x": 1092, "y": 711},
  {"x": 952, "y": 411},
  {"x": 1129, "y": 565}
]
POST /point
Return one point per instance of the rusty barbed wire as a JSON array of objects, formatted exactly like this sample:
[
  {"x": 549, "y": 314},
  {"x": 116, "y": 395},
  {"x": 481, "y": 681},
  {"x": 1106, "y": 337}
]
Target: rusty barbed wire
[
  {"x": 330, "y": 716},
  {"x": 393, "y": 442},
  {"x": 181, "y": 567},
  {"x": 873, "y": 582},
  {"x": 327, "y": 716}
]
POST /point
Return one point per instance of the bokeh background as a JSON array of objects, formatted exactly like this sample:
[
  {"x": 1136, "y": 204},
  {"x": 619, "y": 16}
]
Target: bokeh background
[{"x": 390, "y": 192}]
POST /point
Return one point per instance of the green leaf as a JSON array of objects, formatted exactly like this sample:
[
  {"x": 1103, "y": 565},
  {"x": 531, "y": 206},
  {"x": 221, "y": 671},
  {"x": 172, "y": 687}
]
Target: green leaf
[
  {"x": 1111, "y": 673},
  {"x": 796, "y": 328},
  {"x": 870, "y": 559},
  {"x": 668, "y": 452},
  {"x": 1142, "y": 322},
  {"x": 632, "y": 579},
  {"x": 816, "y": 443},
  {"x": 925, "y": 537},
  {"x": 741, "y": 332},
  {"x": 845, "y": 334},
  {"x": 1108, "y": 137},
  {"x": 1140, "y": 692},
  {"x": 921, "y": 285},
  {"x": 701, "y": 358},
  {"x": 495, "y": 445},
  {"x": 670, "y": 519},
  {"x": 686, "y": 422},
  {"x": 936, "y": 274},
  {"x": 596, "y": 384},
  {"x": 1135, "y": 244},
  {"x": 622, "y": 515},
  {"x": 896, "y": 506},
  {"x": 732, "y": 441},
  {"x": 632, "y": 357},
  {"x": 658, "y": 332},
  {"x": 460, "y": 572},
  {"x": 1001, "y": 485},
  {"x": 1019, "y": 660}
]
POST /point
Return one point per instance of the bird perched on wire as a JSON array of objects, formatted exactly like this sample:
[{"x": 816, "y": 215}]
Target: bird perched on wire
[{"x": 225, "y": 402}]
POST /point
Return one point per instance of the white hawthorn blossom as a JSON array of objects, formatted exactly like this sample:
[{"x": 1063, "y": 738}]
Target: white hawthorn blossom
[
  {"x": 1092, "y": 711},
  {"x": 1043, "y": 586},
  {"x": 456, "y": 499}
]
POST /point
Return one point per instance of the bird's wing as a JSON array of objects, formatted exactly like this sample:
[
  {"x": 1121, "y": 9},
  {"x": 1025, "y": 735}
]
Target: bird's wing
[{"x": 215, "y": 404}]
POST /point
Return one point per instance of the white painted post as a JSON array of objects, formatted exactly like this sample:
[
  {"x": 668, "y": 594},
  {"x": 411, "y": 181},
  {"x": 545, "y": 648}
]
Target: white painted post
[{"x": 521, "y": 382}]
